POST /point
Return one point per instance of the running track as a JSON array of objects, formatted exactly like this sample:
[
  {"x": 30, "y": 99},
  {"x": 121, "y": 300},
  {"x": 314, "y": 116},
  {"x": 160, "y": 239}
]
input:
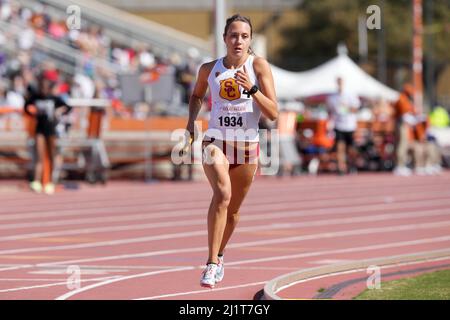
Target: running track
[{"x": 148, "y": 241}]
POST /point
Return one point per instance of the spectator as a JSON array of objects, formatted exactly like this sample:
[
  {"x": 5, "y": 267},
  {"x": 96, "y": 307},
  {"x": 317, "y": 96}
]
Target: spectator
[
  {"x": 405, "y": 120},
  {"x": 5, "y": 10},
  {"x": 47, "y": 108},
  {"x": 439, "y": 117},
  {"x": 427, "y": 156},
  {"x": 343, "y": 107},
  {"x": 26, "y": 38},
  {"x": 57, "y": 29},
  {"x": 15, "y": 97},
  {"x": 185, "y": 75},
  {"x": 3, "y": 100}
]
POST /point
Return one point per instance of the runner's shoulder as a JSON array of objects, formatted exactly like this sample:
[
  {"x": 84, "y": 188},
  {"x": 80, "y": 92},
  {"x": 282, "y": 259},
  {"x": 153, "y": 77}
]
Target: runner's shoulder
[
  {"x": 260, "y": 64},
  {"x": 206, "y": 67}
]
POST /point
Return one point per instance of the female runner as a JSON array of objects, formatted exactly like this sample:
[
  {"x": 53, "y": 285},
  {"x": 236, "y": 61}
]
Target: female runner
[{"x": 242, "y": 88}]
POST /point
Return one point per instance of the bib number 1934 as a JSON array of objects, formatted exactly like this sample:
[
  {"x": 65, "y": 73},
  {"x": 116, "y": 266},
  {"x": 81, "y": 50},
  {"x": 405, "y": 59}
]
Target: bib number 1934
[{"x": 231, "y": 121}]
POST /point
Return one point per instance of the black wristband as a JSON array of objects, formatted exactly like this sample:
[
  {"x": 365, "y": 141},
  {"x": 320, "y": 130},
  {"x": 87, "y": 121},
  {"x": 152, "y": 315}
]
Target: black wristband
[{"x": 253, "y": 90}]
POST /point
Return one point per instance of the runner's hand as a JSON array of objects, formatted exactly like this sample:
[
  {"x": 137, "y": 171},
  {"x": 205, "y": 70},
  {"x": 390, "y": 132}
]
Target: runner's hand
[
  {"x": 189, "y": 139},
  {"x": 243, "y": 79}
]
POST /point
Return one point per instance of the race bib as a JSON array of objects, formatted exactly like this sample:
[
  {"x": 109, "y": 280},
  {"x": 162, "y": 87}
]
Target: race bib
[
  {"x": 233, "y": 116},
  {"x": 232, "y": 121}
]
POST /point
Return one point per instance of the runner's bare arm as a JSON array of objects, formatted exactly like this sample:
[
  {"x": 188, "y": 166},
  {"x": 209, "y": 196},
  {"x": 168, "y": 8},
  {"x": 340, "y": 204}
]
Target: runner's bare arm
[
  {"x": 265, "y": 97},
  {"x": 195, "y": 103}
]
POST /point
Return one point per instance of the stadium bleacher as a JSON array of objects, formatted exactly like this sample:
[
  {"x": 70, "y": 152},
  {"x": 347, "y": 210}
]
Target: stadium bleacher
[{"x": 110, "y": 51}]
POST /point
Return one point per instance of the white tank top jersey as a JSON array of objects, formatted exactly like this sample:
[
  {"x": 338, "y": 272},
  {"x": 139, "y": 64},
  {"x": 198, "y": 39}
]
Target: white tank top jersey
[{"x": 234, "y": 114}]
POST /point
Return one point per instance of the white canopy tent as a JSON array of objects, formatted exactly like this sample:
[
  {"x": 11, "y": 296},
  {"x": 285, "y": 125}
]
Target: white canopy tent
[{"x": 322, "y": 80}]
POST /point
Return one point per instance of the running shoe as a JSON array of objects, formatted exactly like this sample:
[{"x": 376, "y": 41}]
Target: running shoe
[
  {"x": 49, "y": 188},
  {"x": 220, "y": 270},
  {"x": 36, "y": 186},
  {"x": 208, "y": 278}
]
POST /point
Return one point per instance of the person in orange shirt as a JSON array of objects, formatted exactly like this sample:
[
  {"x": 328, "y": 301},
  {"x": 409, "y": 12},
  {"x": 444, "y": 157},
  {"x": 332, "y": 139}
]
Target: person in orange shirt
[{"x": 405, "y": 120}]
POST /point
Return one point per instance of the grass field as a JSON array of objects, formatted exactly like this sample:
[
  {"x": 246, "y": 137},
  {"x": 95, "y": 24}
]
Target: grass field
[{"x": 429, "y": 286}]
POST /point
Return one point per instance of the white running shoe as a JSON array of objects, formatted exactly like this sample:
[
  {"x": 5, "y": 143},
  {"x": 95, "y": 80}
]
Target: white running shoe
[
  {"x": 36, "y": 186},
  {"x": 420, "y": 171},
  {"x": 220, "y": 270},
  {"x": 313, "y": 166},
  {"x": 434, "y": 169},
  {"x": 402, "y": 171},
  {"x": 49, "y": 188},
  {"x": 208, "y": 278}
]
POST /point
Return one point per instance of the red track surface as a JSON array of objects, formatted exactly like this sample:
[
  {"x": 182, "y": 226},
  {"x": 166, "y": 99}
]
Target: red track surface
[
  {"x": 347, "y": 285},
  {"x": 134, "y": 240}
]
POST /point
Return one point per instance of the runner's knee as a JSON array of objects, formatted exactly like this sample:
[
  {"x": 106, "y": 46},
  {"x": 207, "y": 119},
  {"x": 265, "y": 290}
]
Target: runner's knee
[
  {"x": 222, "y": 196},
  {"x": 233, "y": 218}
]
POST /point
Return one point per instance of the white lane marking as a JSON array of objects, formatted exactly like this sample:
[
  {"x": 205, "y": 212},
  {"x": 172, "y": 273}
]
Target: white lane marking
[
  {"x": 91, "y": 266},
  {"x": 203, "y": 291},
  {"x": 263, "y": 189},
  {"x": 261, "y": 268},
  {"x": 361, "y": 201},
  {"x": 300, "y": 281},
  {"x": 53, "y": 284},
  {"x": 44, "y": 279},
  {"x": 339, "y": 251},
  {"x": 346, "y": 250},
  {"x": 329, "y": 261},
  {"x": 15, "y": 267},
  {"x": 325, "y": 235},
  {"x": 106, "y": 208},
  {"x": 161, "y": 206},
  {"x": 84, "y": 272},
  {"x": 95, "y": 285},
  {"x": 265, "y": 227},
  {"x": 246, "y": 217},
  {"x": 303, "y": 255},
  {"x": 396, "y": 265}
]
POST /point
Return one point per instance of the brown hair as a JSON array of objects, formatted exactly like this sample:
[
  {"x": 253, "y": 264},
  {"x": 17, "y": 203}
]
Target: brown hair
[{"x": 238, "y": 17}]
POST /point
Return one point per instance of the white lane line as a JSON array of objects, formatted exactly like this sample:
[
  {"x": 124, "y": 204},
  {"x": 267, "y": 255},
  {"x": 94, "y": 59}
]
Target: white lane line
[
  {"x": 340, "y": 251},
  {"x": 172, "y": 295},
  {"x": 16, "y": 267},
  {"x": 104, "y": 209},
  {"x": 326, "y": 235},
  {"x": 261, "y": 268},
  {"x": 140, "y": 192},
  {"x": 199, "y": 209},
  {"x": 54, "y": 284},
  {"x": 301, "y": 184},
  {"x": 110, "y": 207},
  {"x": 43, "y": 279},
  {"x": 346, "y": 250},
  {"x": 396, "y": 265},
  {"x": 303, "y": 255},
  {"x": 96, "y": 285},
  {"x": 246, "y": 217},
  {"x": 265, "y": 227},
  {"x": 107, "y": 267}
]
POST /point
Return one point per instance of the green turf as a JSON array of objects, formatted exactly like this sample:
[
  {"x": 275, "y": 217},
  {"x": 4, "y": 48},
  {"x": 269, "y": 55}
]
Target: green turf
[{"x": 429, "y": 286}]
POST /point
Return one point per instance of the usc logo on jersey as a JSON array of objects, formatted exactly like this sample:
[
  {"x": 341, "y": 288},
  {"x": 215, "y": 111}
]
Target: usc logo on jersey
[{"x": 229, "y": 89}]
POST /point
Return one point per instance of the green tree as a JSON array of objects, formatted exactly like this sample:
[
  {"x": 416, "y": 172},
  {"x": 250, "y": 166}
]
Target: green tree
[{"x": 323, "y": 24}]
